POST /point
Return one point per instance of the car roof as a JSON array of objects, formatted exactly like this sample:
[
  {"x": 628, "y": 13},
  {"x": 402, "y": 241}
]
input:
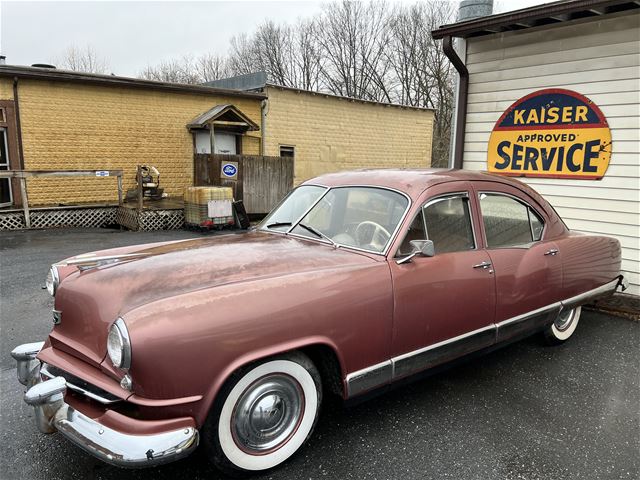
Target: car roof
[{"x": 410, "y": 181}]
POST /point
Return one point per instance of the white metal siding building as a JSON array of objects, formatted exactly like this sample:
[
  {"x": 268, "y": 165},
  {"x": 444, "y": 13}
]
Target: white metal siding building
[{"x": 597, "y": 56}]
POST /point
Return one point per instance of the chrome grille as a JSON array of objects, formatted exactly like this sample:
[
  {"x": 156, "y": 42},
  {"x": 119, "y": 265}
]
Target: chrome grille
[{"x": 78, "y": 385}]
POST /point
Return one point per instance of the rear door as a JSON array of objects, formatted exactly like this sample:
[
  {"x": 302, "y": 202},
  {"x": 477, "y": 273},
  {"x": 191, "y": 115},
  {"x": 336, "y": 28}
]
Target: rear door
[
  {"x": 528, "y": 268},
  {"x": 443, "y": 305}
]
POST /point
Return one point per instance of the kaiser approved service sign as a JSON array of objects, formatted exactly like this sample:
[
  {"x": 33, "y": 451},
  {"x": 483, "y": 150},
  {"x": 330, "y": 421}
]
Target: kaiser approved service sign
[{"x": 553, "y": 133}]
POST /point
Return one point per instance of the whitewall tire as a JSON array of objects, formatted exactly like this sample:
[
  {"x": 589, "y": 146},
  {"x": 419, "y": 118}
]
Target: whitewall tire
[
  {"x": 264, "y": 414},
  {"x": 563, "y": 326}
]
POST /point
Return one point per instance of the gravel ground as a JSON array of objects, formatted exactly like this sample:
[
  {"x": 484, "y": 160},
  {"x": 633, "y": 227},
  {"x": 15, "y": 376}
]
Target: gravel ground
[{"x": 523, "y": 412}]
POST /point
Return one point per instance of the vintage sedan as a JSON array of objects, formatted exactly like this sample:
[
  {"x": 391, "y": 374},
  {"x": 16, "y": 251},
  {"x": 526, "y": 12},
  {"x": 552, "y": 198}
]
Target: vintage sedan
[{"x": 354, "y": 281}]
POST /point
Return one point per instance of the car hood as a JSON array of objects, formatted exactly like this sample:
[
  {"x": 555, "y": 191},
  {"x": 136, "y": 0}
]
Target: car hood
[{"x": 92, "y": 299}]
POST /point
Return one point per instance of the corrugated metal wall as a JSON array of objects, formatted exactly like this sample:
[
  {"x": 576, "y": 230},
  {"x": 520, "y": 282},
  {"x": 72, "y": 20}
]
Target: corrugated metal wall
[{"x": 599, "y": 58}]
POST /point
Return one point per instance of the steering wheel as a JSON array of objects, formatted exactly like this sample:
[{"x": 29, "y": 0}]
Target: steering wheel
[{"x": 372, "y": 233}]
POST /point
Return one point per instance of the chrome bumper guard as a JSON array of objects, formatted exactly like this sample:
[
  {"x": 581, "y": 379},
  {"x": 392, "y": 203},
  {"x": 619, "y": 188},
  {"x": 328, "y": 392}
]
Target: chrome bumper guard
[{"x": 111, "y": 446}]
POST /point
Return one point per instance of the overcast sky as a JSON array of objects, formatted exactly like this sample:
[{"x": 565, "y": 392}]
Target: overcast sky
[{"x": 132, "y": 35}]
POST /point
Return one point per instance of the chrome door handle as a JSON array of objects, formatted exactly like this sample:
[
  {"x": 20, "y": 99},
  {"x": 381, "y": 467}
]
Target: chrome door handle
[
  {"x": 553, "y": 251},
  {"x": 482, "y": 265}
]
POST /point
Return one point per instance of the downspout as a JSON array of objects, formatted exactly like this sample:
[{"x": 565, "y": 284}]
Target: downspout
[
  {"x": 263, "y": 124},
  {"x": 461, "y": 107},
  {"x": 16, "y": 103}
]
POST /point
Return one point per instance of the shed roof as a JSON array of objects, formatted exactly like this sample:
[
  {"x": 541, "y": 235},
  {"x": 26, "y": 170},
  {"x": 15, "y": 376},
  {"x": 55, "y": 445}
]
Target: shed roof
[
  {"x": 227, "y": 114},
  {"x": 55, "y": 74},
  {"x": 545, "y": 14}
]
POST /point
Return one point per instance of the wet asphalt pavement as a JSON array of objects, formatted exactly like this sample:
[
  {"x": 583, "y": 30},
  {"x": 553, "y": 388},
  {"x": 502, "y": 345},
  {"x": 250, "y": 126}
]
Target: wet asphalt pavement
[{"x": 526, "y": 411}]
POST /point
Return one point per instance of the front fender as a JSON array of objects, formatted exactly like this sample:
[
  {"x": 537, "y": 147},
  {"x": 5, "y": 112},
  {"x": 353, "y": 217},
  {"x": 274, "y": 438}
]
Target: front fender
[{"x": 190, "y": 344}]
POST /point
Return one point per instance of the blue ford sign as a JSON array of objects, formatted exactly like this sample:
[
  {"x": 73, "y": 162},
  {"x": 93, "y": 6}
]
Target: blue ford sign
[{"x": 229, "y": 170}]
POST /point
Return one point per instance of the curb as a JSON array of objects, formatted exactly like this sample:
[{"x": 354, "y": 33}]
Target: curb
[{"x": 620, "y": 305}]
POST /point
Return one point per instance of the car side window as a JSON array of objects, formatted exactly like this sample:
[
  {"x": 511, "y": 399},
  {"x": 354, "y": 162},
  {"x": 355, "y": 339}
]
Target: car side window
[
  {"x": 448, "y": 222},
  {"x": 509, "y": 222}
]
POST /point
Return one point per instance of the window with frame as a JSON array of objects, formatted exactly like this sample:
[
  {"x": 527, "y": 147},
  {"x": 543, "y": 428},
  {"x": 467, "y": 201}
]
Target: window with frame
[
  {"x": 446, "y": 221},
  {"x": 287, "y": 151},
  {"x": 509, "y": 222}
]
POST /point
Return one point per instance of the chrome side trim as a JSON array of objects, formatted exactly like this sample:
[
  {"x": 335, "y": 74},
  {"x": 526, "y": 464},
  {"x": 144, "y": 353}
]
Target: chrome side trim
[
  {"x": 585, "y": 297},
  {"x": 524, "y": 325},
  {"x": 527, "y": 315},
  {"x": 417, "y": 360},
  {"x": 369, "y": 378},
  {"x": 441, "y": 344},
  {"x": 443, "y": 352},
  {"x": 411, "y": 362}
]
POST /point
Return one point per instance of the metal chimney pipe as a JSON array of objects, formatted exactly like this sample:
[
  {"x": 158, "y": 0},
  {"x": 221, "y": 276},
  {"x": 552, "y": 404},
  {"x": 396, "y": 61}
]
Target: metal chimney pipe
[{"x": 470, "y": 9}]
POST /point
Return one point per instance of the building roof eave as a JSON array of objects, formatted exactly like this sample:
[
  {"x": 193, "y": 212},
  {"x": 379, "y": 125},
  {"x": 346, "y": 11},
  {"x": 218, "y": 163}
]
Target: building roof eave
[
  {"x": 545, "y": 14},
  {"x": 57, "y": 75}
]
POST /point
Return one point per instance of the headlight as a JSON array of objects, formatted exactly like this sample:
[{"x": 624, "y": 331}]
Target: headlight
[
  {"x": 52, "y": 281},
  {"x": 118, "y": 345}
]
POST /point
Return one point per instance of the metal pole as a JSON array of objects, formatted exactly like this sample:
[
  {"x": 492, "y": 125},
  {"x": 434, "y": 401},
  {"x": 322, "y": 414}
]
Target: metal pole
[{"x": 25, "y": 201}]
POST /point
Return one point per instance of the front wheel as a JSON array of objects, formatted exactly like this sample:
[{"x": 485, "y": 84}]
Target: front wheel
[
  {"x": 263, "y": 414},
  {"x": 563, "y": 326}
]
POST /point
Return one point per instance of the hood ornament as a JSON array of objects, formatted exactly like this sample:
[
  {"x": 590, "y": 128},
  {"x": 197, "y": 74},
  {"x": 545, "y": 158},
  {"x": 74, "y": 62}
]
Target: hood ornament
[{"x": 85, "y": 262}]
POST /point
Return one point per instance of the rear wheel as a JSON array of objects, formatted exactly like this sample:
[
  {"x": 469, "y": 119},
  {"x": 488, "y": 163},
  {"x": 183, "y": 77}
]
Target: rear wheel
[
  {"x": 563, "y": 326},
  {"x": 263, "y": 414}
]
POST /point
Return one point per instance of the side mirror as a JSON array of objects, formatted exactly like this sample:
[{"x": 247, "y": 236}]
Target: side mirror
[{"x": 423, "y": 248}]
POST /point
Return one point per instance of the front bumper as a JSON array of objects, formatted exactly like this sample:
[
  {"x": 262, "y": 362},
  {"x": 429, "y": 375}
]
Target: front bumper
[{"x": 108, "y": 444}]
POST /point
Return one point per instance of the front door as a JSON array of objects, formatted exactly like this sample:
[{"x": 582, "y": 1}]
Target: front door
[
  {"x": 6, "y": 196},
  {"x": 443, "y": 305}
]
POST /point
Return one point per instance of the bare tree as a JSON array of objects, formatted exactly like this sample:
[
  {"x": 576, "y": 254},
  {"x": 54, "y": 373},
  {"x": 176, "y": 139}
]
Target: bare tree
[
  {"x": 353, "y": 38},
  {"x": 175, "y": 71},
  {"x": 243, "y": 57},
  {"x": 211, "y": 67},
  {"x": 82, "y": 60},
  {"x": 355, "y": 49},
  {"x": 308, "y": 60},
  {"x": 423, "y": 76}
]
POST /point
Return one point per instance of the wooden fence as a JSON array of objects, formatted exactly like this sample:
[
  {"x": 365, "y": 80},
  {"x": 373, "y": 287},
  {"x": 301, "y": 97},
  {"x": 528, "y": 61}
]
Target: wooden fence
[{"x": 260, "y": 182}]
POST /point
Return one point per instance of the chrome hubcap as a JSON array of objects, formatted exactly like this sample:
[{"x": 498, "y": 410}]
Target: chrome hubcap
[
  {"x": 564, "y": 319},
  {"x": 267, "y": 414}
]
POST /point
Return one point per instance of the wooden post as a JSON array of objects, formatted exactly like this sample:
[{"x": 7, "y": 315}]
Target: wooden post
[
  {"x": 212, "y": 138},
  {"x": 25, "y": 202},
  {"x": 120, "y": 189},
  {"x": 140, "y": 192}
]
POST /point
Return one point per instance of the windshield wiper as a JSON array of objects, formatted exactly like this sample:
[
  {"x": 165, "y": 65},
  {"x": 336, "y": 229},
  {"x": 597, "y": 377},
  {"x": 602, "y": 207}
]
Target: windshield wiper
[
  {"x": 279, "y": 224},
  {"x": 317, "y": 233}
]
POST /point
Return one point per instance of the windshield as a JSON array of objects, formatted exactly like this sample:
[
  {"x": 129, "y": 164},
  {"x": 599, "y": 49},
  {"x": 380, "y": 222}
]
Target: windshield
[
  {"x": 292, "y": 208},
  {"x": 360, "y": 217}
]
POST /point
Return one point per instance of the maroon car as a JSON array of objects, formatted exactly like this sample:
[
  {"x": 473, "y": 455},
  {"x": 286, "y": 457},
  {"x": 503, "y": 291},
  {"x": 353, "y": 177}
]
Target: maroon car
[{"x": 355, "y": 281}]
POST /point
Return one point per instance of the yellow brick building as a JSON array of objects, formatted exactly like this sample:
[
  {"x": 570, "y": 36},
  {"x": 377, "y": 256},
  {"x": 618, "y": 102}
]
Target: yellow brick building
[
  {"x": 329, "y": 133},
  {"x": 58, "y": 120}
]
